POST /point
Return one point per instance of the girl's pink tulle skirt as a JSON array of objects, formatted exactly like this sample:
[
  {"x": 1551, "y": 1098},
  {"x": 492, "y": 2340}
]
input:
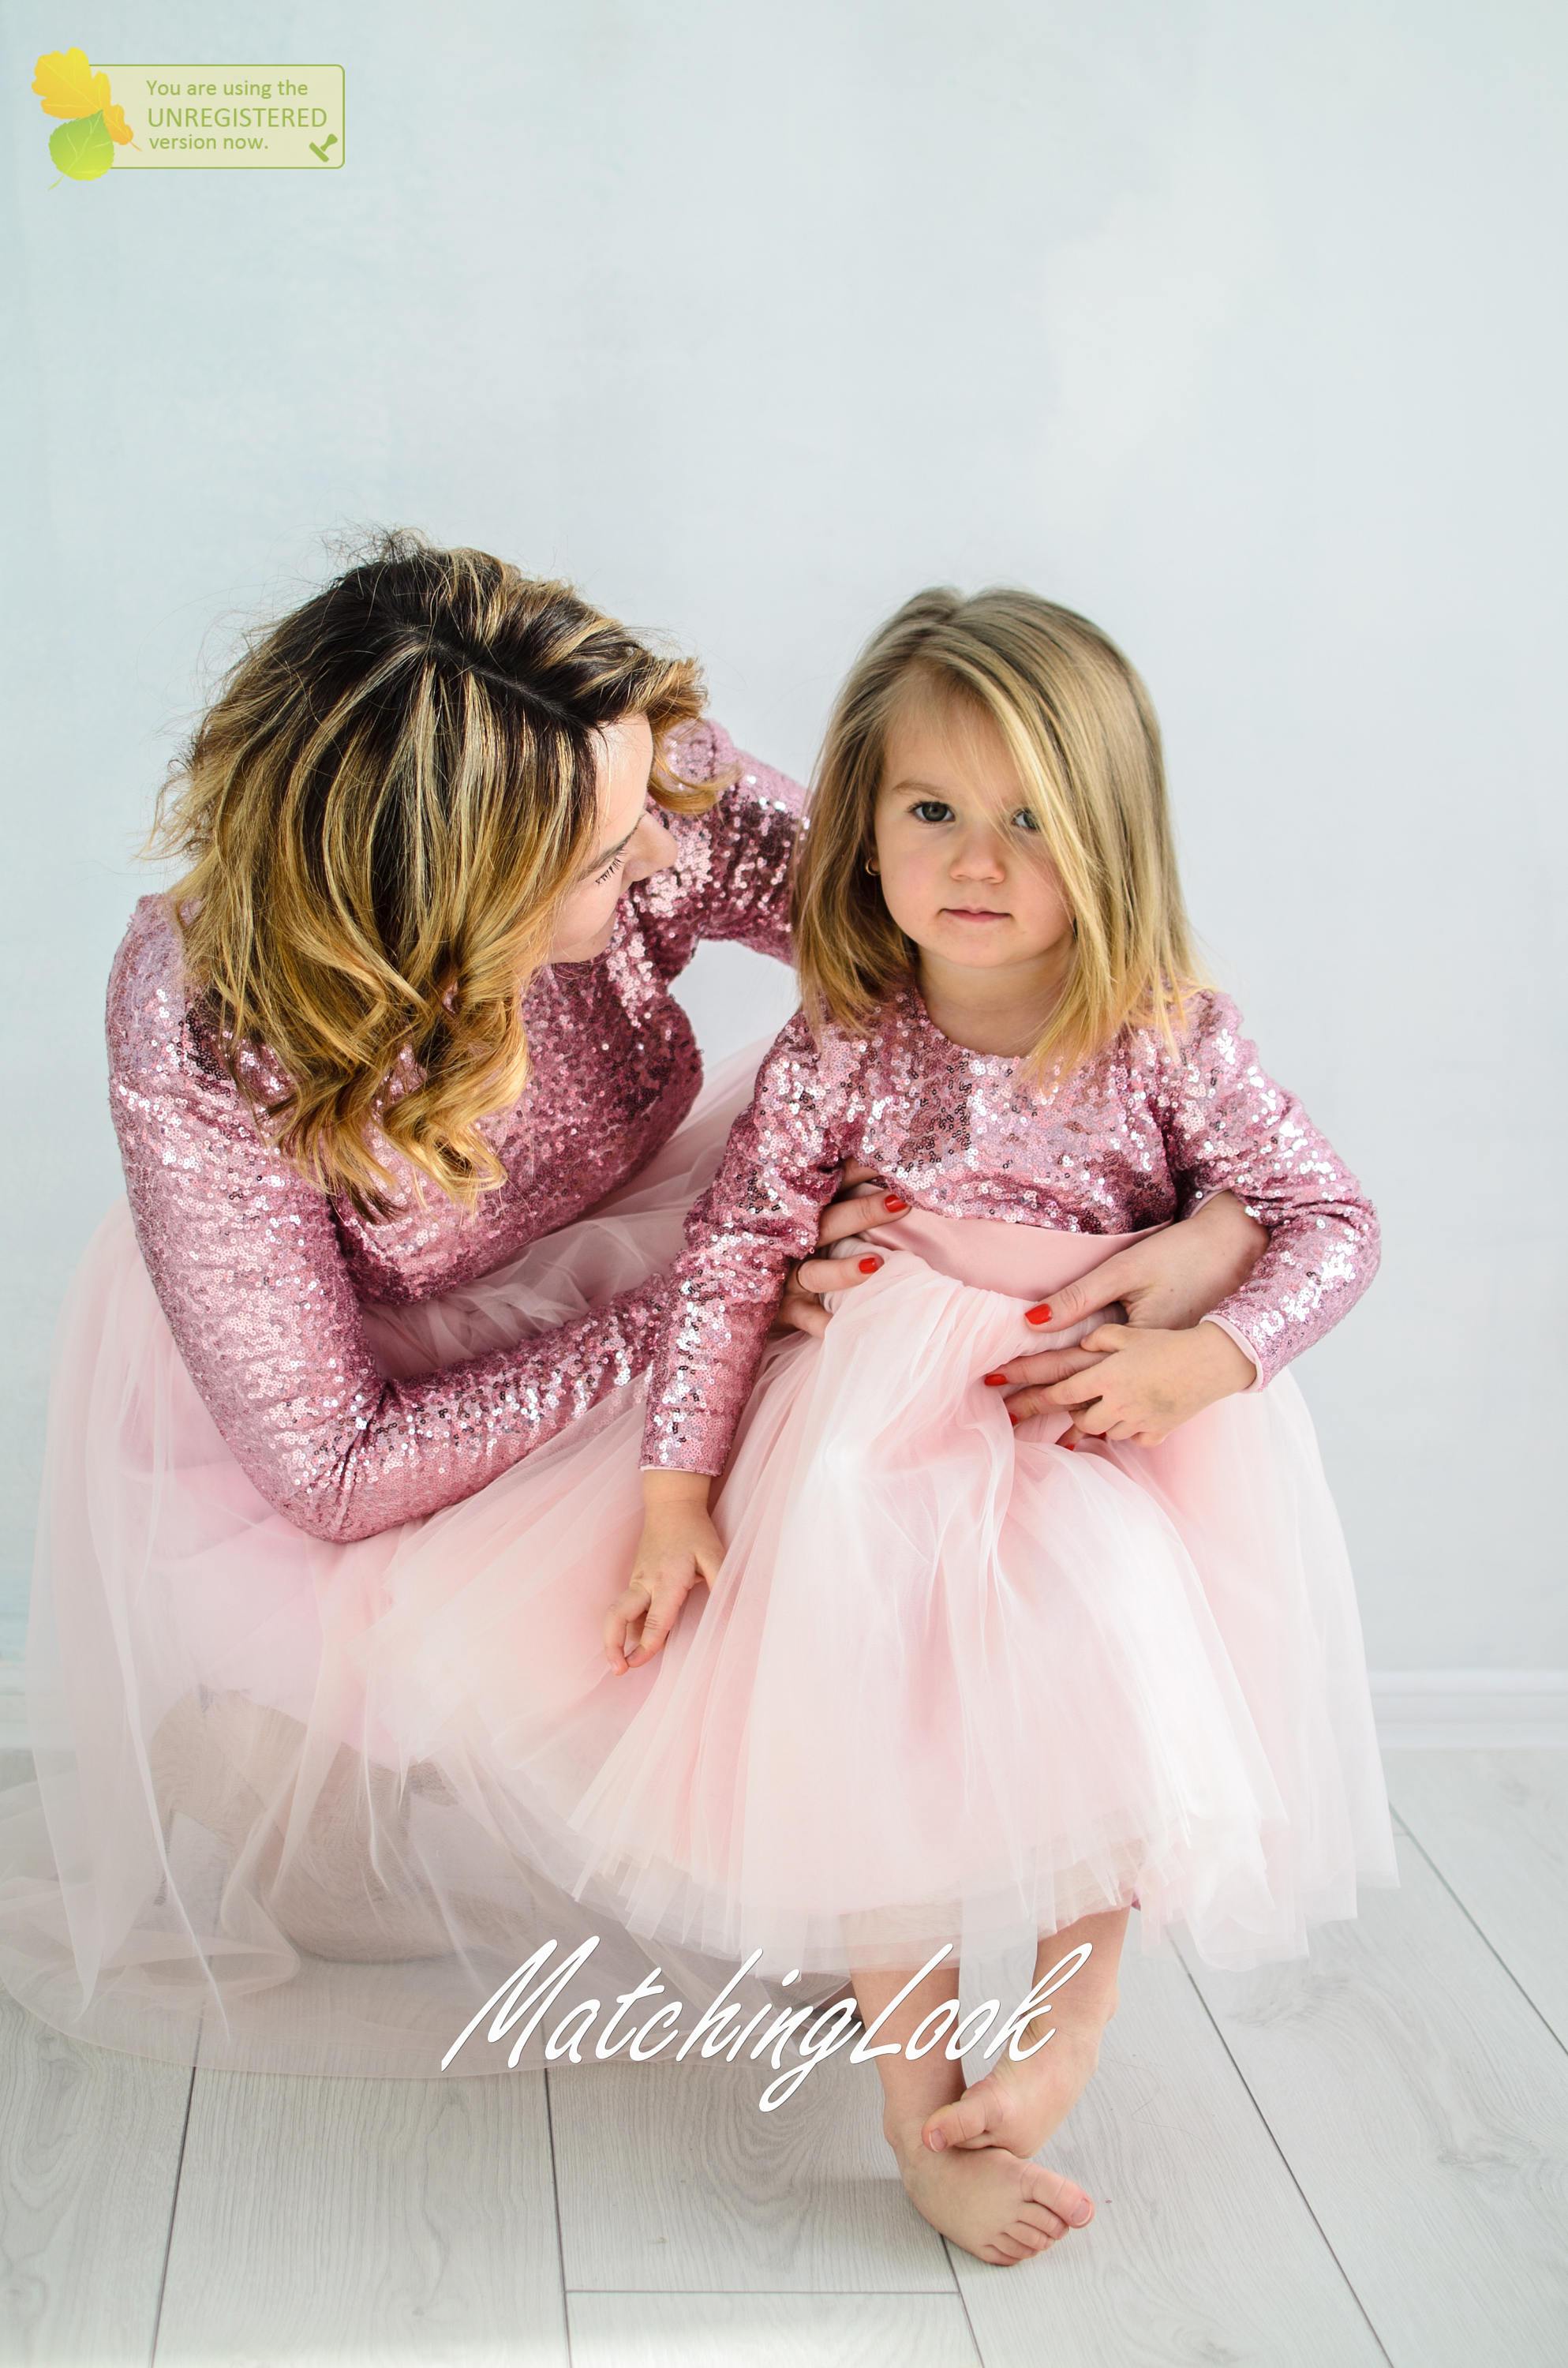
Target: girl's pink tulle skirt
[{"x": 305, "y": 1807}]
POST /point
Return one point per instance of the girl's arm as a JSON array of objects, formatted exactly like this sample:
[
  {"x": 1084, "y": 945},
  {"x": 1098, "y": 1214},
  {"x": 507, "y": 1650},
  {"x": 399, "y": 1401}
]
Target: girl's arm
[
  {"x": 245, "y": 1261},
  {"x": 730, "y": 879},
  {"x": 761, "y": 1211},
  {"x": 1228, "y": 1126}
]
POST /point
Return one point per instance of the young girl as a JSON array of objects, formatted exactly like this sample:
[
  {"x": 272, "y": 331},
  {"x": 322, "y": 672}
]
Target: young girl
[{"x": 960, "y": 1677}]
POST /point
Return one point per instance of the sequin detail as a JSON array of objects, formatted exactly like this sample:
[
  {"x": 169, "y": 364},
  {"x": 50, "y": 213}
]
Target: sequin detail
[
  {"x": 262, "y": 1277},
  {"x": 1133, "y": 1139}
]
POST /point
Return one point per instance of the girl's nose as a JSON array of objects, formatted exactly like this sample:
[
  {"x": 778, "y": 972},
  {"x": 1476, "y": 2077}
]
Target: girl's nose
[{"x": 978, "y": 859}]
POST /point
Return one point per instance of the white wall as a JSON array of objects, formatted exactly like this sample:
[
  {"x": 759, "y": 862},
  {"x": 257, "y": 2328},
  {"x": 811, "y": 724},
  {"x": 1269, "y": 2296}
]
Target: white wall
[{"x": 1234, "y": 325}]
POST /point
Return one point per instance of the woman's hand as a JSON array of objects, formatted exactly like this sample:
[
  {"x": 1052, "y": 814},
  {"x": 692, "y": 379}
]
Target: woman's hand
[
  {"x": 801, "y": 1309},
  {"x": 1165, "y": 1284},
  {"x": 679, "y": 1549},
  {"x": 1147, "y": 1380}
]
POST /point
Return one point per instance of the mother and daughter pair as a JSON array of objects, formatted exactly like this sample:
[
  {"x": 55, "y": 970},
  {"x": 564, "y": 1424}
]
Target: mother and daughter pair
[{"x": 854, "y": 1514}]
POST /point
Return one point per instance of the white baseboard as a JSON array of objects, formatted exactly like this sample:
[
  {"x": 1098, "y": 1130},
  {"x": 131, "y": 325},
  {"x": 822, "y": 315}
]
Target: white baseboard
[
  {"x": 1416, "y": 1710},
  {"x": 1470, "y": 1710}
]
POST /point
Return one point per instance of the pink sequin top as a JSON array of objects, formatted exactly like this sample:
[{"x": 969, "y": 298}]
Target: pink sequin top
[
  {"x": 262, "y": 1276},
  {"x": 1131, "y": 1139}
]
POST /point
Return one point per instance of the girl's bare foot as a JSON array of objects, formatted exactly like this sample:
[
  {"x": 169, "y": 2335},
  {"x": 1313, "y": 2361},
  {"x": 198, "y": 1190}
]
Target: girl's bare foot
[
  {"x": 997, "y": 2207},
  {"x": 1018, "y": 2105}
]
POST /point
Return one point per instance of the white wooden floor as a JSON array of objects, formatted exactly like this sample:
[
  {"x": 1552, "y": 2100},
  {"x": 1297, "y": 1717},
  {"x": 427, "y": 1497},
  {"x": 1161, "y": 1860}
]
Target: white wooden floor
[{"x": 1361, "y": 2161}]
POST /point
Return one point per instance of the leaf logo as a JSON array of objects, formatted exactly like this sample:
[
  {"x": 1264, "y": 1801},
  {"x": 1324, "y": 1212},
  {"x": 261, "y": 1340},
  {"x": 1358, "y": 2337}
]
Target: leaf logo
[{"x": 84, "y": 144}]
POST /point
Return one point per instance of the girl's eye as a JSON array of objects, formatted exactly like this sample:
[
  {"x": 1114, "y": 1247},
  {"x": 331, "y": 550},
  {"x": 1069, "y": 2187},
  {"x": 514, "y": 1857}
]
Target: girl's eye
[
  {"x": 612, "y": 867},
  {"x": 943, "y": 810}
]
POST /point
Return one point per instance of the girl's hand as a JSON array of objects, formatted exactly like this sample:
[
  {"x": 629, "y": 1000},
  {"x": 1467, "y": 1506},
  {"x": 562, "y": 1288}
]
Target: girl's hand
[
  {"x": 801, "y": 1309},
  {"x": 679, "y": 1549},
  {"x": 1146, "y": 1381},
  {"x": 1167, "y": 1283}
]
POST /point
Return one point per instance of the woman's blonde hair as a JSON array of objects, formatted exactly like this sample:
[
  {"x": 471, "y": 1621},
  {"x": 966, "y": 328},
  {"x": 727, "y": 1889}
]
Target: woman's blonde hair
[
  {"x": 1082, "y": 732},
  {"x": 381, "y": 813}
]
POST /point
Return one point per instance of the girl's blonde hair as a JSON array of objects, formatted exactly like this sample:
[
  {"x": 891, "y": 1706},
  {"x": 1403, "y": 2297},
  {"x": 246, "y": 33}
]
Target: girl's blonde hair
[
  {"x": 1082, "y": 732},
  {"x": 381, "y": 815}
]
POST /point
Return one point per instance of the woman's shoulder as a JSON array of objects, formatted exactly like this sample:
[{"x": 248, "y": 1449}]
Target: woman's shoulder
[
  {"x": 704, "y": 750},
  {"x": 157, "y": 1028},
  {"x": 148, "y": 991}
]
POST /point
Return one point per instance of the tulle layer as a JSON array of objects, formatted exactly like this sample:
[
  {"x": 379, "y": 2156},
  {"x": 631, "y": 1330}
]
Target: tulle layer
[
  {"x": 306, "y": 1808},
  {"x": 955, "y": 1685}
]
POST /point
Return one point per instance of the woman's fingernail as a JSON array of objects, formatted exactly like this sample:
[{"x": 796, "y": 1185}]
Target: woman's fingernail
[
  {"x": 1069, "y": 1444},
  {"x": 1012, "y": 1418},
  {"x": 1037, "y": 1314},
  {"x": 994, "y": 1381},
  {"x": 869, "y": 1266},
  {"x": 892, "y": 1202}
]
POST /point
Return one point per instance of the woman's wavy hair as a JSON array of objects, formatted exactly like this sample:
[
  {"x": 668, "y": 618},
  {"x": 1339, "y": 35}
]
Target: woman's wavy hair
[
  {"x": 1082, "y": 732},
  {"x": 379, "y": 814}
]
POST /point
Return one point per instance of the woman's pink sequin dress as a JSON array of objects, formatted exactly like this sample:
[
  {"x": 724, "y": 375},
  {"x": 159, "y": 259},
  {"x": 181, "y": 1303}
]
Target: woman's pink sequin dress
[{"x": 271, "y": 1427}]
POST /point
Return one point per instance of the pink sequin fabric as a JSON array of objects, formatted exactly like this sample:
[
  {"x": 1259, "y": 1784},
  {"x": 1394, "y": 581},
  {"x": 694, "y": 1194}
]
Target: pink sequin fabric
[
  {"x": 1132, "y": 1139},
  {"x": 262, "y": 1277}
]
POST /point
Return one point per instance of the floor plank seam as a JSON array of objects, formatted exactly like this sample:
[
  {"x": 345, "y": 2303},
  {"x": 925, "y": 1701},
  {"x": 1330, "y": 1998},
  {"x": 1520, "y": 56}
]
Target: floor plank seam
[
  {"x": 1549, "y": 2027},
  {"x": 560, "y": 2232},
  {"x": 1290, "y": 2165},
  {"x": 962, "y": 2298},
  {"x": 174, "y": 2214}
]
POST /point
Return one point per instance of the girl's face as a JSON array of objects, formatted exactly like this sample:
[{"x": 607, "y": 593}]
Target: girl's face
[
  {"x": 965, "y": 870},
  {"x": 632, "y": 842}
]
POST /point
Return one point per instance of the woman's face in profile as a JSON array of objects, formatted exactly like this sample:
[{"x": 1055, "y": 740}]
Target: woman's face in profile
[{"x": 630, "y": 842}]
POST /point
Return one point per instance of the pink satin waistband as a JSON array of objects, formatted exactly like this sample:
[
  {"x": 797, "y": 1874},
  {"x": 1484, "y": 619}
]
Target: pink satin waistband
[{"x": 1026, "y": 1261}]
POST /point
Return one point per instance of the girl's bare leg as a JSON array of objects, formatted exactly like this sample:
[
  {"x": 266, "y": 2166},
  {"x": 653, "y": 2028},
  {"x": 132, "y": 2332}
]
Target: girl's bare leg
[
  {"x": 998, "y": 2206},
  {"x": 1018, "y": 2105}
]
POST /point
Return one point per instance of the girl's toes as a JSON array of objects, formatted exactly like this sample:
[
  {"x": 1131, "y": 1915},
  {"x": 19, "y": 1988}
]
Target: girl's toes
[
  {"x": 1058, "y": 2194},
  {"x": 970, "y": 2119},
  {"x": 1047, "y": 2224}
]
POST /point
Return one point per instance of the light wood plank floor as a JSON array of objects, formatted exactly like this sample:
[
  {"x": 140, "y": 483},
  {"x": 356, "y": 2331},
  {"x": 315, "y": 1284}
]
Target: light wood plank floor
[{"x": 1361, "y": 2160}]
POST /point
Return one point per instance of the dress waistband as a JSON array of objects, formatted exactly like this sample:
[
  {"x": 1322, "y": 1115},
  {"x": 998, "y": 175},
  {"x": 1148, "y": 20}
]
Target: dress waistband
[{"x": 1026, "y": 1260}]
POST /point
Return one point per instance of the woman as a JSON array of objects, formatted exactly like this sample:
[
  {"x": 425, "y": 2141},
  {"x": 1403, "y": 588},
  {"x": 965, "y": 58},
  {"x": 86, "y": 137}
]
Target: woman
[{"x": 410, "y": 1122}]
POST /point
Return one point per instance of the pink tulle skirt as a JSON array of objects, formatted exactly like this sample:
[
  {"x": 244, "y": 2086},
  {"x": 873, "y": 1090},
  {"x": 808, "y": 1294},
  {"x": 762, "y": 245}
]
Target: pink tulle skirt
[{"x": 307, "y": 1808}]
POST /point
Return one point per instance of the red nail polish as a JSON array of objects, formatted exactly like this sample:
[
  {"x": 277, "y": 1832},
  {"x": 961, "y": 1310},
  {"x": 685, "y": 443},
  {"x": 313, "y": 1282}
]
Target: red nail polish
[
  {"x": 1069, "y": 1445},
  {"x": 869, "y": 1266},
  {"x": 1037, "y": 1314},
  {"x": 1012, "y": 1418},
  {"x": 994, "y": 1381},
  {"x": 891, "y": 1201}
]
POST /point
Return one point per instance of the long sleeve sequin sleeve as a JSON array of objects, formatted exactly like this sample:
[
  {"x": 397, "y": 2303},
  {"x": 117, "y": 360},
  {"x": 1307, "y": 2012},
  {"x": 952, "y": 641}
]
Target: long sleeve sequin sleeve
[
  {"x": 778, "y": 1167},
  {"x": 1229, "y": 1126},
  {"x": 244, "y": 1255},
  {"x": 731, "y": 877}
]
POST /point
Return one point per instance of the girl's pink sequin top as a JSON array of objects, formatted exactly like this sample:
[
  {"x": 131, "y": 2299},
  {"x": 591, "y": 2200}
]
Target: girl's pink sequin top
[
  {"x": 1131, "y": 1139},
  {"x": 262, "y": 1276}
]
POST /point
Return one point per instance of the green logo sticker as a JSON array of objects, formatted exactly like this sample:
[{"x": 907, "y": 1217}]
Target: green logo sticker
[{"x": 247, "y": 117}]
